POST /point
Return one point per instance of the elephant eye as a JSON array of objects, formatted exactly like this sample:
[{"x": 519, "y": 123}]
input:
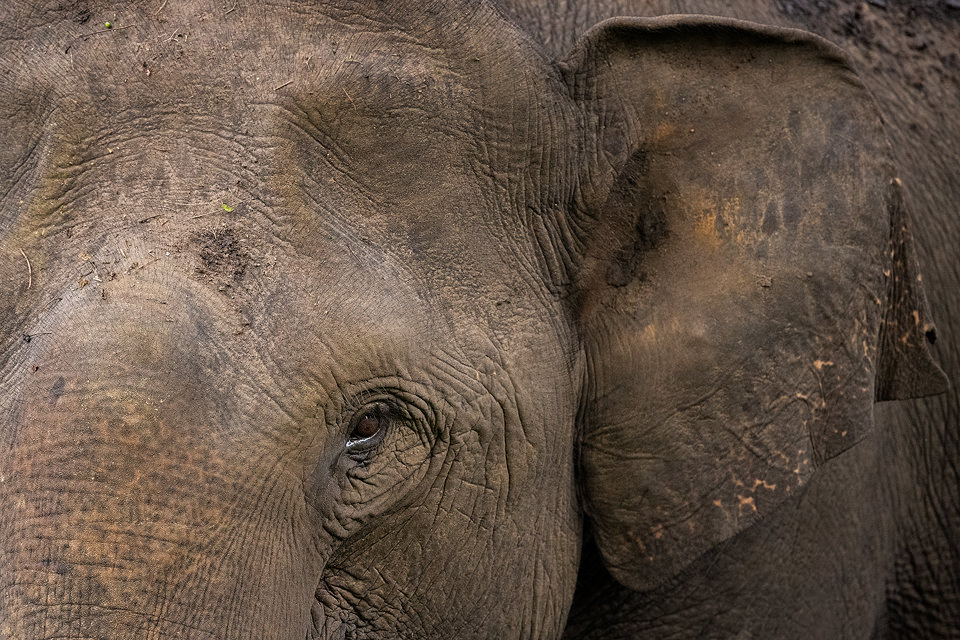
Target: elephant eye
[{"x": 368, "y": 428}]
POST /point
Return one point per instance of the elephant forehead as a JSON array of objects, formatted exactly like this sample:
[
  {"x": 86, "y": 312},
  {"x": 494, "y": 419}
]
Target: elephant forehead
[
  {"x": 351, "y": 304},
  {"x": 320, "y": 77},
  {"x": 347, "y": 54},
  {"x": 304, "y": 158},
  {"x": 310, "y": 110}
]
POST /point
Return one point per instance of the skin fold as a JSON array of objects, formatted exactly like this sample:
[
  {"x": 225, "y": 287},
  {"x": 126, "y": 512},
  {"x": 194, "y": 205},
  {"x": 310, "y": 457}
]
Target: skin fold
[{"x": 352, "y": 320}]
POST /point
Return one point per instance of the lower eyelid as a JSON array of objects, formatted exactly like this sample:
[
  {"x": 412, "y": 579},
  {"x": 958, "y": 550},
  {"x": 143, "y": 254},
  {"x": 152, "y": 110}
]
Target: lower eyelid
[{"x": 360, "y": 441}]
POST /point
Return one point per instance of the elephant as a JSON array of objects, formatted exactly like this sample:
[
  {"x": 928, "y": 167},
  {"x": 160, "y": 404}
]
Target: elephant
[{"x": 470, "y": 319}]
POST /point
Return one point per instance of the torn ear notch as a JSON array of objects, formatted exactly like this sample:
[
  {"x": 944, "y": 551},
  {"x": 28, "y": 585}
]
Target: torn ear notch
[{"x": 905, "y": 367}]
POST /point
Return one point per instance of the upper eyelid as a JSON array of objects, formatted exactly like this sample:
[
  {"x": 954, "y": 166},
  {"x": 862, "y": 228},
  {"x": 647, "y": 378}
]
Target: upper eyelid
[
  {"x": 365, "y": 402},
  {"x": 395, "y": 398},
  {"x": 407, "y": 397}
]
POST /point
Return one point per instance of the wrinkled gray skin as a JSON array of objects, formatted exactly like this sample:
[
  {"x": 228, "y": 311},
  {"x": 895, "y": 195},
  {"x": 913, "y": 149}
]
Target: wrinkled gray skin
[{"x": 419, "y": 320}]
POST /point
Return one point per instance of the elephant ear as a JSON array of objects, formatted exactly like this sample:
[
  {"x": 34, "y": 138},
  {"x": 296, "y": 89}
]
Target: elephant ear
[{"x": 740, "y": 247}]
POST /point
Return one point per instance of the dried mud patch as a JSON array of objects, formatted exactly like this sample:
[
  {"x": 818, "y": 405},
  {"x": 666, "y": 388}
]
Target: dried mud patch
[{"x": 223, "y": 257}]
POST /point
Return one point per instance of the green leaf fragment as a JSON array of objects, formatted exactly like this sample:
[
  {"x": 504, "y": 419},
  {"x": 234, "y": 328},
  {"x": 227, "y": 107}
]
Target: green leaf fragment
[{"x": 227, "y": 207}]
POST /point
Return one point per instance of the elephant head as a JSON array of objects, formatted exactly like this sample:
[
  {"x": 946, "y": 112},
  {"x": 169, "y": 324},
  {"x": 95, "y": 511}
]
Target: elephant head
[{"x": 334, "y": 321}]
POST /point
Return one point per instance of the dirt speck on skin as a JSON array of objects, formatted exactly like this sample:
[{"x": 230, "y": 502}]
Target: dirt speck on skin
[{"x": 223, "y": 258}]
